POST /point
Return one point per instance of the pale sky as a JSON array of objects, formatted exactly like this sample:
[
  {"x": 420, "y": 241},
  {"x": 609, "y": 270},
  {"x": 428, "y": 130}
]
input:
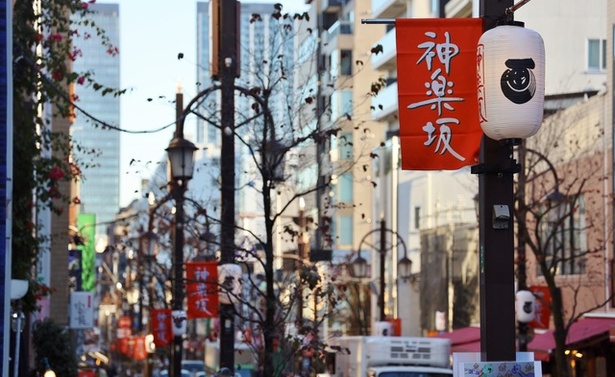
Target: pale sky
[{"x": 152, "y": 33}]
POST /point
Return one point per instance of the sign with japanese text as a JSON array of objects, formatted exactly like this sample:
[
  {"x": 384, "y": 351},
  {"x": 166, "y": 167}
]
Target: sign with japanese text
[
  {"x": 436, "y": 80},
  {"x": 202, "y": 289},
  {"x": 124, "y": 329},
  {"x": 81, "y": 310},
  {"x": 161, "y": 327}
]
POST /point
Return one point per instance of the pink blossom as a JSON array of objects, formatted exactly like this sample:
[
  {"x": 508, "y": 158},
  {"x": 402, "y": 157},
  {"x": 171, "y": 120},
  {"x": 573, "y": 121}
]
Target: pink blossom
[
  {"x": 56, "y": 173},
  {"x": 81, "y": 80}
]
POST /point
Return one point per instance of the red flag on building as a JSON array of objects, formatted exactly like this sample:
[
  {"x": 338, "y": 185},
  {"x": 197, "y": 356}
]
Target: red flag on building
[
  {"x": 161, "y": 326},
  {"x": 436, "y": 81},
  {"x": 202, "y": 289}
]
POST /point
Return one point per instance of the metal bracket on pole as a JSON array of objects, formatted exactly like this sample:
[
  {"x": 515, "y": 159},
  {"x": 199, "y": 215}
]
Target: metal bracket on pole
[
  {"x": 377, "y": 21},
  {"x": 486, "y": 168}
]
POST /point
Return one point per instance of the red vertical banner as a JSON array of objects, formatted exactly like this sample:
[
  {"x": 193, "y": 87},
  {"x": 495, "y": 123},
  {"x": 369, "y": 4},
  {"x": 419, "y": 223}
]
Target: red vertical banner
[
  {"x": 202, "y": 289},
  {"x": 139, "y": 351},
  {"x": 436, "y": 81},
  {"x": 543, "y": 307},
  {"x": 161, "y": 326},
  {"x": 124, "y": 345},
  {"x": 124, "y": 330}
]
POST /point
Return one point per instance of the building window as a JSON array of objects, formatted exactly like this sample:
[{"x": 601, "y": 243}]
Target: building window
[
  {"x": 346, "y": 62},
  {"x": 345, "y": 146},
  {"x": 346, "y": 102},
  {"x": 345, "y": 188},
  {"x": 564, "y": 239},
  {"x": 417, "y": 217},
  {"x": 345, "y": 230},
  {"x": 596, "y": 54}
]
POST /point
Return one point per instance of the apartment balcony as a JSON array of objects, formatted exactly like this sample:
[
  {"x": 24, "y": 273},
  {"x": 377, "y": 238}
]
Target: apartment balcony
[
  {"x": 384, "y": 105},
  {"x": 331, "y": 6},
  {"x": 458, "y": 8},
  {"x": 338, "y": 36},
  {"x": 388, "y": 8},
  {"x": 387, "y": 60}
]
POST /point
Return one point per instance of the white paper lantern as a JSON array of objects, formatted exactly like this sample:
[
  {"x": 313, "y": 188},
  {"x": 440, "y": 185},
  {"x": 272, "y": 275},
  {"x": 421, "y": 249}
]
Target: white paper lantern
[
  {"x": 511, "y": 81},
  {"x": 230, "y": 278},
  {"x": 525, "y": 305},
  {"x": 382, "y": 328},
  {"x": 179, "y": 322}
]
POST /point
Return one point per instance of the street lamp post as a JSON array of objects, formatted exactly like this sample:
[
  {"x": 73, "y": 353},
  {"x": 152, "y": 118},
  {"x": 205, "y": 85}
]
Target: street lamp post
[
  {"x": 227, "y": 65},
  {"x": 404, "y": 265},
  {"x": 181, "y": 161}
]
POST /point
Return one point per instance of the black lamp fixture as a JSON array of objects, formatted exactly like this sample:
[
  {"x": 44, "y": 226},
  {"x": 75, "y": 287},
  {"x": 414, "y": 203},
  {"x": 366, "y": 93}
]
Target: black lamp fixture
[
  {"x": 359, "y": 267},
  {"x": 181, "y": 158},
  {"x": 404, "y": 268}
]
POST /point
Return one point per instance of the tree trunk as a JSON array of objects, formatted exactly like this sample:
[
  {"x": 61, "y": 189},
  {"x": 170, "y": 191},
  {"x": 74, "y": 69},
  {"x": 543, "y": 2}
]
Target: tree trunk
[{"x": 560, "y": 332}]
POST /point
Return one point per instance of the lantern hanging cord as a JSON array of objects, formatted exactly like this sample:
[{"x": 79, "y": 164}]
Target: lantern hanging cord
[{"x": 511, "y": 10}]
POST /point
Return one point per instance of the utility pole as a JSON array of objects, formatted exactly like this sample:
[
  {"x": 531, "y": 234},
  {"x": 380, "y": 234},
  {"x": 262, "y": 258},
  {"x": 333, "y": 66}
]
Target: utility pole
[
  {"x": 228, "y": 68},
  {"x": 496, "y": 246}
]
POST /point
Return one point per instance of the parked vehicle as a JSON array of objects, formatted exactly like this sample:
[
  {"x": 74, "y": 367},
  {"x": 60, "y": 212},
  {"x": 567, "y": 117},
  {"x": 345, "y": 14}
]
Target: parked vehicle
[
  {"x": 165, "y": 373},
  {"x": 244, "y": 359},
  {"x": 193, "y": 366},
  {"x": 190, "y": 368},
  {"x": 390, "y": 356}
]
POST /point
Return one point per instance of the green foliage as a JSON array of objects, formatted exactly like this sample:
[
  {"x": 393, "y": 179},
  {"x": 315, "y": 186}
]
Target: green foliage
[{"x": 52, "y": 342}]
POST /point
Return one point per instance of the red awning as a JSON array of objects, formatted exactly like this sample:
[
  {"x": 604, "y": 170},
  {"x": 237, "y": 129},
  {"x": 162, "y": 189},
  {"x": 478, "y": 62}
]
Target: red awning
[
  {"x": 581, "y": 330},
  {"x": 467, "y": 339}
]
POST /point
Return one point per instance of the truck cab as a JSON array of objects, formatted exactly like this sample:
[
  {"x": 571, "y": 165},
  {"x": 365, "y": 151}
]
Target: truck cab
[{"x": 388, "y": 356}]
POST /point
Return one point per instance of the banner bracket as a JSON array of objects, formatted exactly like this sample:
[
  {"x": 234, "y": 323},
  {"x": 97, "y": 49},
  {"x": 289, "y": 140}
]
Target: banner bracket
[
  {"x": 388, "y": 21},
  {"x": 512, "y": 168}
]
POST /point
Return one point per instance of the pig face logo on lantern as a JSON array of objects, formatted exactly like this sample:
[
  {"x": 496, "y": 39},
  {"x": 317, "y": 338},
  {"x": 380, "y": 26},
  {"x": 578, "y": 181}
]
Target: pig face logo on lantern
[{"x": 518, "y": 82}]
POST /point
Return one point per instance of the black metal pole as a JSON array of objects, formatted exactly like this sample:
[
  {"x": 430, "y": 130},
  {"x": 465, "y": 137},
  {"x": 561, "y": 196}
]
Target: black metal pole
[
  {"x": 179, "y": 187},
  {"x": 299, "y": 264},
  {"x": 496, "y": 246},
  {"x": 178, "y": 265},
  {"x": 382, "y": 269},
  {"x": 228, "y": 61}
]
